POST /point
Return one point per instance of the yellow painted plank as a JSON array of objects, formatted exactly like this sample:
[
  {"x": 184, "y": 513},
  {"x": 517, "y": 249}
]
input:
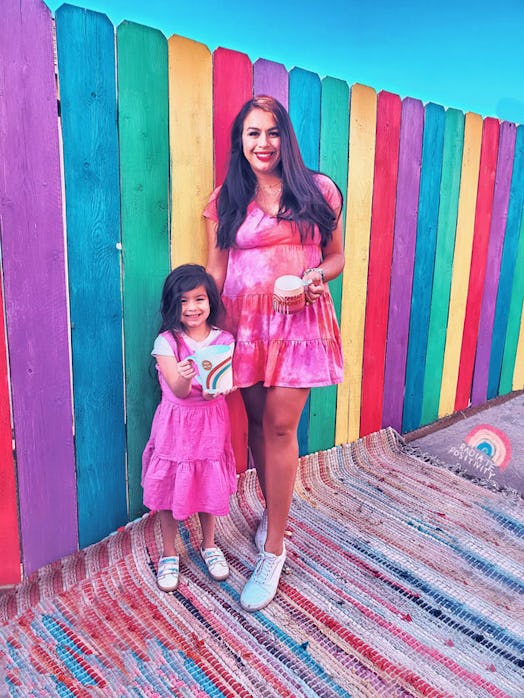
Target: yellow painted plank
[
  {"x": 362, "y": 126},
  {"x": 461, "y": 261},
  {"x": 518, "y": 374},
  {"x": 191, "y": 146}
]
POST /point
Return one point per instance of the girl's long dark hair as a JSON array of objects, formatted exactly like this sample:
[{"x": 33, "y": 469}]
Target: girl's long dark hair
[
  {"x": 301, "y": 200},
  {"x": 181, "y": 280}
]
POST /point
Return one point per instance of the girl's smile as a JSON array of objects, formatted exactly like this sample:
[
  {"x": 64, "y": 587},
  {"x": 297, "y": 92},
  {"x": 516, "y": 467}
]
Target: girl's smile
[{"x": 195, "y": 312}]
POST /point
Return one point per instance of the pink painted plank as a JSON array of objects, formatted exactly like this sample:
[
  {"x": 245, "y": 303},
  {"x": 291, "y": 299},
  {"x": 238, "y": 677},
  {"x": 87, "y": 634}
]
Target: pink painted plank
[
  {"x": 35, "y": 287},
  {"x": 410, "y": 156},
  {"x": 270, "y": 78},
  {"x": 508, "y": 134}
]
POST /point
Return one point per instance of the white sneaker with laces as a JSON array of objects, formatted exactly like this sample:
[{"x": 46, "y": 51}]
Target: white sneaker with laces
[
  {"x": 216, "y": 563},
  {"x": 262, "y": 585},
  {"x": 167, "y": 573},
  {"x": 261, "y": 532}
]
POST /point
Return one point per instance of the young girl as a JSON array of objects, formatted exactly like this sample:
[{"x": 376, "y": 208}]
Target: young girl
[{"x": 188, "y": 464}]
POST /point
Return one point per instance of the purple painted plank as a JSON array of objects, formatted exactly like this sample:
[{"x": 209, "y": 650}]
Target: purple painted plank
[
  {"x": 508, "y": 134},
  {"x": 35, "y": 288},
  {"x": 271, "y": 78},
  {"x": 410, "y": 156}
]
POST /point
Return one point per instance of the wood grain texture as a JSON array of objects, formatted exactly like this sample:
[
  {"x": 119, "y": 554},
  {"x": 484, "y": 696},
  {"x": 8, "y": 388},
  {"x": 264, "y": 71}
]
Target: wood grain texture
[
  {"x": 518, "y": 371},
  {"x": 362, "y": 128},
  {"x": 479, "y": 254},
  {"x": 144, "y": 180},
  {"x": 334, "y": 144},
  {"x": 507, "y": 265},
  {"x": 304, "y": 111},
  {"x": 191, "y": 146},
  {"x": 35, "y": 286},
  {"x": 270, "y": 78},
  {"x": 461, "y": 260},
  {"x": 441, "y": 288},
  {"x": 86, "y": 64},
  {"x": 380, "y": 254},
  {"x": 432, "y": 154},
  {"x": 512, "y": 371},
  {"x": 499, "y": 216},
  {"x": 410, "y": 154},
  {"x": 232, "y": 87}
]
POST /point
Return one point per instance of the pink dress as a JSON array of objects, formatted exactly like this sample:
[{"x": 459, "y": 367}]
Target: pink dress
[
  {"x": 188, "y": 465},
  {"x": 301, "y": 350}
]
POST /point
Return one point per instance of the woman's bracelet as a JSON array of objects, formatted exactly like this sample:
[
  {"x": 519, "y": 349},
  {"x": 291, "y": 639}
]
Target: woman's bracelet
[{"x": 317, "y": 269}]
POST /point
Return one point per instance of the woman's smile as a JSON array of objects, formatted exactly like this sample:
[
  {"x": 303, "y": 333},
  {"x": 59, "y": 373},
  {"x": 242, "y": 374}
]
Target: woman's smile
[{"x": 261, "y": 142}]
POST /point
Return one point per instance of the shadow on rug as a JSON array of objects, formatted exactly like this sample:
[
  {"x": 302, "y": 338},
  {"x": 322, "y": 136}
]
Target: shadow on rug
[{"x": 402, "y": 579}]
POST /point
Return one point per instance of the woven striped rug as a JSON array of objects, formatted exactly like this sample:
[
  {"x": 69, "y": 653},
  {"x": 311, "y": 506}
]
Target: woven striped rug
[{"x": 402, "y": 579}]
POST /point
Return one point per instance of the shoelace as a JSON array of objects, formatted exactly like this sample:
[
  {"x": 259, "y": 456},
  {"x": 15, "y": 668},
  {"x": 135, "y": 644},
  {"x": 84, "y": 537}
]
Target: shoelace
[{"x": 265, "y": 567}]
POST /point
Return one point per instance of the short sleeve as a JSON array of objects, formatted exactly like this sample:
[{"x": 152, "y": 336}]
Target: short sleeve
[
  {"x": 161, "y": 347},
  {"x": 330, "y": 192},
  {"x": 210, "y": 210}
]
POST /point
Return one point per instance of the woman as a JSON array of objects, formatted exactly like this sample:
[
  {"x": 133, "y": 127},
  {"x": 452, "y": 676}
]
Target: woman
[{"x": 273, "y": 216}]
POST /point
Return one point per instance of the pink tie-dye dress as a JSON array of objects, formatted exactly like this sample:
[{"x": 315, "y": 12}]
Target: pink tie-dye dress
[{"x": 301, "y": 350}]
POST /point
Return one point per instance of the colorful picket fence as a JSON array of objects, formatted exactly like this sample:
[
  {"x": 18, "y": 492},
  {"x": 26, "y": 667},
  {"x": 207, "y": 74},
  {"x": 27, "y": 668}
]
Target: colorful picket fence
[{"x": 101, "y": 193}]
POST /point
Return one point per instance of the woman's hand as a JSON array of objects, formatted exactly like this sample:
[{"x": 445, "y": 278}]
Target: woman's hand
[{"x": 315, "y": 288}]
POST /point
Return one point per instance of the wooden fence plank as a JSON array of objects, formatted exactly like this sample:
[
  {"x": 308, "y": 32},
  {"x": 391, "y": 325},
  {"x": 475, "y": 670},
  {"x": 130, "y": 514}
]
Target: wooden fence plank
[
  {"x": 232, "y": 87},
  {"x": 35, "y": 285},
  {"x": 86, "y": 63},
  {"x": 507, "y": 266},
  {"x": 477, "y": 270},
  {"x": 334, "y": 144},
  {"x": 270, "y": 78},
  {"x": 144, "y": 180},
  {"x": 191, "y": 146},
  {"x": 362, "y": 127},
  {"x": 512, "y": 371},
  {"x": 381, "y": 249},
  {"x": 461, "y": 260},
  {"x": 447, "y": 222},
  {"x": 432, "y": 153},
  {"x": 496, "y": 239},
  {"x": 410, "y": 154},
  {"x": 304, "y": 110}
]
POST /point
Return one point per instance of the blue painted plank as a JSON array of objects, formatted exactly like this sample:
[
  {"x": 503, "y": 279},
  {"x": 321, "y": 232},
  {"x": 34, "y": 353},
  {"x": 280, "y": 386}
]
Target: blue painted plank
[
  {"x": 429, "y": 197},
  {"x": 86, "y": 64}
]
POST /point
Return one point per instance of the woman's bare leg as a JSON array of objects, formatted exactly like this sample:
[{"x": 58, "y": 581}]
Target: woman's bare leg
[
  {"x": 169, "y": 528},
  {"x": 283, "y": 408},
  {"x": 255, "y": 399}
]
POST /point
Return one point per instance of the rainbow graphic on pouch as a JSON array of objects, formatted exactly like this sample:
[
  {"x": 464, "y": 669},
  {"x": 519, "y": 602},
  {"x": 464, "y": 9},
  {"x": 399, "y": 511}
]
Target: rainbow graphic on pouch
[
  {"x": 220, "y": 371},
  {"x": 492, "y": 442}
]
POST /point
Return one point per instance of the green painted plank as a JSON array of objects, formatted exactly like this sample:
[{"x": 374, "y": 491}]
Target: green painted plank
[
  {"x": 334, "y": 147},
  {"x": 447, "y": 223},
  {"x": 144, "y": 181},
  {"x": 86, "y": 65}
]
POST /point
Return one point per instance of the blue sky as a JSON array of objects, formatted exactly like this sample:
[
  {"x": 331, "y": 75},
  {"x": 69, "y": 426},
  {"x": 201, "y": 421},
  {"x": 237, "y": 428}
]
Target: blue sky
[{"x": 466, "y": 54}]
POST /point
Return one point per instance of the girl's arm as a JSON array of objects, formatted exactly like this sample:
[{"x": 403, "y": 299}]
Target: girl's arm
[
  {"x": 177, "y": 374},
  {"x": 216, "y": 258}
]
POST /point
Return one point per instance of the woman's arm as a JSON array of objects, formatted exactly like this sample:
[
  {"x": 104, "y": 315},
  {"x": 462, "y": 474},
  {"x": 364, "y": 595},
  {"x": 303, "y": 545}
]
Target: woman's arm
[
  {"x": 177, "y": 374},
  {"x": 216, "y": 258},
  {"x": 331, "y": 265}
]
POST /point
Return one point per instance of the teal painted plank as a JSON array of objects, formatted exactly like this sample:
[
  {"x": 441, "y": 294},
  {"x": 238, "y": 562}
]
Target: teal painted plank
[
  {"x": 447, "y": 223},
  {"x": 334, "y": 146},
  {"x": 432, "y": 153},
  {"x": 507, "y": 266},
  {"x": 86, "y": 64},
  {"x": 144, "y": 180},
  {"x": 304, "y": 110}
]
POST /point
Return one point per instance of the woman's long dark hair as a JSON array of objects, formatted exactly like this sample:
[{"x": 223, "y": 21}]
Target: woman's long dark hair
[
  {"x": 181, "y": 280},
  {"x": 301, "y": 200}
]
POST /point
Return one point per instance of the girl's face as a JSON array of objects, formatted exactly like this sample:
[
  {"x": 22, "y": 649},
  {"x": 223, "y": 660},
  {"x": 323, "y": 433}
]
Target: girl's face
[
  {"x": 261, "y": 142},
  {"x": 195, "y": 309}
]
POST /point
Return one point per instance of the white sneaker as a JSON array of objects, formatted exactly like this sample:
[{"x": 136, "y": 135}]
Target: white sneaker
[
  {"x": 216, "y": 563},
  {"x": 167, "y": 574},
  {"x": 262, "y": 585},
  {"x": 261, "y": 532}
]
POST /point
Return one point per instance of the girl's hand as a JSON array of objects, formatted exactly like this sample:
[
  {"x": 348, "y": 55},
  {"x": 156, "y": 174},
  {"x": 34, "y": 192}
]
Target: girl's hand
[{"x": 186, "y": 369}]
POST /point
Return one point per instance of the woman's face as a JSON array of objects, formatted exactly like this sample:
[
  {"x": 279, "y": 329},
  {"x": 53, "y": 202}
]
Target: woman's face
[{"x": 261, "y": 142}]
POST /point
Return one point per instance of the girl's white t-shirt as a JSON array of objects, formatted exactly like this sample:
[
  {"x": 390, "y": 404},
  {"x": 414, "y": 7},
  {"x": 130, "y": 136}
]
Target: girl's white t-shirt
[{"x": 161, "y": 347}]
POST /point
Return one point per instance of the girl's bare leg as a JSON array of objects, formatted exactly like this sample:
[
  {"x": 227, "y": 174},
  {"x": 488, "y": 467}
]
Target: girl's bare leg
[
  {"x": 255, "y": 399},
  {"x": 283, "y": 407},
  {"x": 207, "y": 523},
  {"x": 169, "y": 528}
]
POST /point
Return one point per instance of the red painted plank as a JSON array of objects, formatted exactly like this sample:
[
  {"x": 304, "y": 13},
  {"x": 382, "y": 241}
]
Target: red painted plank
[
  {"x": 381, "y": 248},
  {"x": 232, "y": 87},
  {"x": 33, "y": 261},
  {"x": 477, "y": 271}
]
